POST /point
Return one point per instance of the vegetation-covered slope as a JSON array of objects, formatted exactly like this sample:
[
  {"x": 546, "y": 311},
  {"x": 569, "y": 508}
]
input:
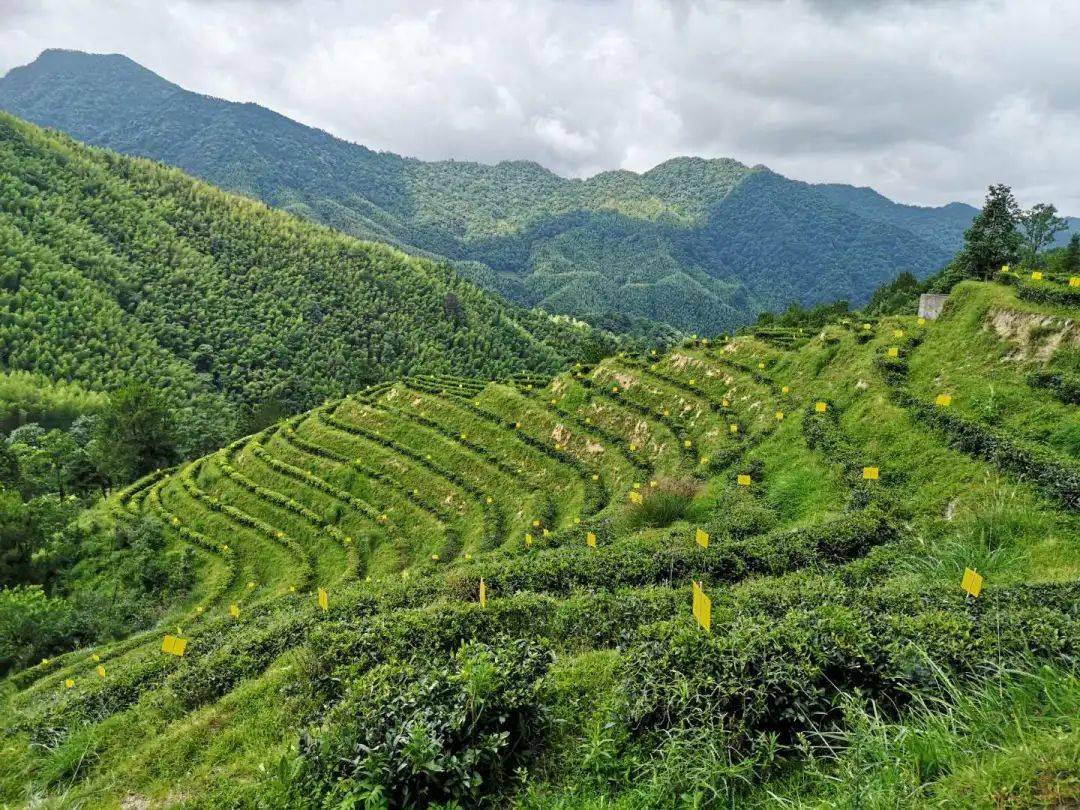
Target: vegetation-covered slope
[
  {"x": 845, "y": 666},
  {"x": 113, "y": 269},
  {"x": 701, "y": 244}
]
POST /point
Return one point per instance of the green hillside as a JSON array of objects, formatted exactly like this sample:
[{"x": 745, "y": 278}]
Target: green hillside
[
  {"x": 703, "y": 245},
  {"x": 114, "y": 269},
  {"x": 844, "y": 666}
]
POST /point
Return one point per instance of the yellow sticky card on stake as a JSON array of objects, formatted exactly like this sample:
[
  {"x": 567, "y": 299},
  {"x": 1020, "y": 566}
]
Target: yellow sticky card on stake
[
  {"x": 635, "y": 497},
  {"x": 761, "y": 365},
  {"x": 922, "y": 321},
  {"x": 174, "y": 646},
  {"x": 1036, "y": 276},
  {"x": 733, "y": 428},
  {"x": 702, "y": 608},
  {"x": 724, "y": 403},
  {"x": 633, "y": 447},
  {"x": 528, "y": 540},
  {"x": 871, "y": 473},
  {"x": 897, "y": 333},
  {"x": 779, "y": 416},
  {"x": 324, "y": 599},
  {"x": 894, "y": 351},
  {"x": 687, "y": 444},
  {"x": 101, "y": 671},
  {"x": 866, "y": 327},
  {"x": 536, "y": 524},
  {"x": 701, "y": 537},
  {"x": 234, "y": 611},
  {"x": 69, "y": 683},
  {"x": 483, "y": 593},
  {"x": 943, "y": 400},
  {"x": 744, "y": 480},
  {"x": 1074, "y": 281},
  {"x": 590, "y": 540},
  {"x": 972, "y": 583},
  {"x": 786, "y": 389},
  {"x": 821, "y": 407}
]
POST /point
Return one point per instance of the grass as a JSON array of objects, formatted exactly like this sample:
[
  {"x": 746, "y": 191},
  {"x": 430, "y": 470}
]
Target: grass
[{"x": 458, "y": 509}]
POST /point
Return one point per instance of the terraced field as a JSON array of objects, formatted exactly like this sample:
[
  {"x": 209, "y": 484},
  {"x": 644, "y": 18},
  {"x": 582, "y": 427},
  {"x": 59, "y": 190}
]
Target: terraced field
[{"x": 830, "y": 587}]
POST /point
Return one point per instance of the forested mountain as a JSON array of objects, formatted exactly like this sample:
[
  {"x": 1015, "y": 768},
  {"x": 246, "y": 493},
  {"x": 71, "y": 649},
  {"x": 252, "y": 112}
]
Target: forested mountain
[
  {"x": 114, "y": 269},
  {"x": 701, "y": 244}
]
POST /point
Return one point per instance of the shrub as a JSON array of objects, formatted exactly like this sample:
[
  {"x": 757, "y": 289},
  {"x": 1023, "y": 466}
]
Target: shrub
[
  {"x": 661, "y": 506},
  {"x": 412, "y": 734},
  {"x": 33, "y": 626}
]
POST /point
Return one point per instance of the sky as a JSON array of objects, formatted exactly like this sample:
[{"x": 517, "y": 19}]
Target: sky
[{"x": 926, "y": 101}]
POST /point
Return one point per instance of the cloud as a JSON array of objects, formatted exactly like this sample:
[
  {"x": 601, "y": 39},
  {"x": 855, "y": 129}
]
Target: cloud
[{"x": 927, "y": 101}]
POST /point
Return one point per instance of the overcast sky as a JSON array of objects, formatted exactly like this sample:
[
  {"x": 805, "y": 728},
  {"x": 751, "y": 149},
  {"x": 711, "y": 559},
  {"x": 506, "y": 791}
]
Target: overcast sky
[{"x": 925, "y": 101}]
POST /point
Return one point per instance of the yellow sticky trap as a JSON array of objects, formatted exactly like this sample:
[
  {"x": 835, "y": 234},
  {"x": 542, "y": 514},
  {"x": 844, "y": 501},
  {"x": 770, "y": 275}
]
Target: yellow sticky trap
[
  {"x": 922, "y": 321},
  {"x": 943, "y": 400},
  {"x": 779, "y": 416},
  {"x": 821, "y": 407},
  {"x": 483, "y": 593},
  {"x": 1074, "y": 281},
  {"x": 733, "y": 428},
  {"x": 590, "y": 539},
  {"x": 744, "y": 480},
  {"x": 489, "y": 499},
  {"x": 234, "y": 611},
  {"x": 528, "y": 540},
  {"x": 866, "y": 327},
  {"x": 667, "y": 412},
  {"x": 687, "y": 444},
  {"x": 702, "y": 608},
  {"x": 536, "y": 524},
  {"x": 174, "y": 646},
  {"x": 693, "y": 381},
  {"x": 637, "y": 485},
  {"x": 577, "y": 520},
  {"x": 251, "y": 585},
  {"x": 595, "y": 477},
  {"x": 703, "y": 460},
  {"x": 614, "y": 389},
  {"x": 894, "y": 351},
  {"x": 468, "y": 556},
  {"x": 871, "y": 473},
  {"x": 972, "y": 583},
  {"x": 635, "y": 497},
  {"x": 1036, "y": 276},
  {"x": 324, "y": 599},
  {"x": 701, "y": 537},
  {"x": 633, "y": 448},
  {"x": 101, "y": 671},
  {"x": 546, "y": 532},
  {"x": 724, "y": 403},
  {"x": 517, "y": 425},
  {"x": 292, "y": 589},
  {"x": 69, "y": 683},
  {"x": 761, "y": 365},
  {"x": 95, "y": 658},
  {"x": 786, "y": 389},
  {"x": 897, "y": 333},
  {"x": 464, "y": 437}
]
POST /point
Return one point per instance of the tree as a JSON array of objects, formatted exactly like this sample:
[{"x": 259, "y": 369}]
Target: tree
[
  {"x": 992, "y": 240},
  {"x": 1070, "y": 262},
  {"x": 136, "y": 434},
  {"x": 1038, "y": 226}
]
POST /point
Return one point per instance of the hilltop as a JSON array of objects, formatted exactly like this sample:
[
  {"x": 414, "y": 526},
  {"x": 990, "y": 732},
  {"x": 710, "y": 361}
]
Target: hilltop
[
  {"x": 118, "y": 269},
  {"x": 842, "y": 500},
  {"x": 703, "y": 245}
]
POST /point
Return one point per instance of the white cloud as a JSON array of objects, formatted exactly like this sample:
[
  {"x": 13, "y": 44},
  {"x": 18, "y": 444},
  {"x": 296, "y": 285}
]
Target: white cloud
[{"x": 925, "y": 101}]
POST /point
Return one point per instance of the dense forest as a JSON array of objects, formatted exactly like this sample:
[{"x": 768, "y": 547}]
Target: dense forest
[
  {"x": 703, "y": 245},
  {"x": 119, "y": 270}
]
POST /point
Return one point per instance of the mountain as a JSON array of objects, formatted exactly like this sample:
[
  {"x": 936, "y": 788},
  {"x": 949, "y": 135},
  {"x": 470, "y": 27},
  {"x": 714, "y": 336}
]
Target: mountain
[
  {"x": 700, "y": 244},
  {"x": 630, "y": 585},
  {"x": 114, "y": 268}
]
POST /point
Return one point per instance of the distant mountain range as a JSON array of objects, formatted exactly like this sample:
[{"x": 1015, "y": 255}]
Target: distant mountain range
[{"x": 700, "y": 244}]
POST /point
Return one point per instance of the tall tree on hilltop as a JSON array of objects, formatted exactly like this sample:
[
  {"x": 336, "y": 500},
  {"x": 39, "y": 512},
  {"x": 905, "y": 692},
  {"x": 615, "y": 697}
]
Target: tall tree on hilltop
[
  {"x": 992, "y": 240},
  {"x": 1038, "y": 226}
]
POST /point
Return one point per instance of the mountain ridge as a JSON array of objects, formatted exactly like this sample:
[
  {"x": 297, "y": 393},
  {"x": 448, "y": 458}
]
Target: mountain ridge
[{"x": 703, "y": 244}]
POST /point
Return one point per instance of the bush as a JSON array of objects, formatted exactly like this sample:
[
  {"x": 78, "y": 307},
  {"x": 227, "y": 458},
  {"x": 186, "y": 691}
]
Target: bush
[
  {"x": 412, "y": 734},
  {"x": 33, "y": 626},
  {"x": 661, "y": 506}
]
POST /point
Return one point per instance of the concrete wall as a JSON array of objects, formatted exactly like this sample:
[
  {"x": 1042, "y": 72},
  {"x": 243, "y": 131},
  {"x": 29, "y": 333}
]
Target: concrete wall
[{"x": 931, "y": 304}]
